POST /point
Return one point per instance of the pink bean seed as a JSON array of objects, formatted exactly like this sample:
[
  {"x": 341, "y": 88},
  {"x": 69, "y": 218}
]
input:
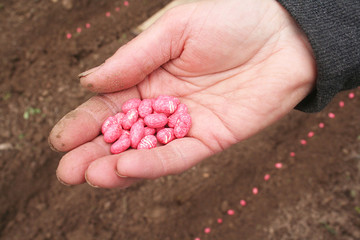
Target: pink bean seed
[
  {"x": 147, "y": 142},
  {"x": 166, "y": 104},
  {"x": 165, "y": 135},
  {"x": 107, "y": 124},
  {"x": 278, "y": 165},
  {"x": 145, "y": 107},
  {"x": 149, "y": 131},
  {"x": 136, "y": 133},
  {"x": 182, "y": 126},
  {"x": 121, "y": 144},
  {"x": 230, "y": 212},
  {"x": 130, "y": 104},
  {"x": 267, "y": 177},
  {"x": 311, "y": 134},
  {"x": 156, "y": 120},
  {"x": 182, "y": 108},
  {"x": 331, "y": 115},
  {"x": 130, "y": 118},
  {"x": 112, "y": 133},
  {"x": 119, "y": 117}
]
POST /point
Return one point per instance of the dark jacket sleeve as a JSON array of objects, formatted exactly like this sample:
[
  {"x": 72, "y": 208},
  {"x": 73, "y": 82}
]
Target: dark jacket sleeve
[{"x": 333, "y": 30}]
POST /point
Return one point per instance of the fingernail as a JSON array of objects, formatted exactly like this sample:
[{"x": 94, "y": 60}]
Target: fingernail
[
  {"x": 52, "y": 146},
  {"x": 61, "y": 181},
  {"x": 90, "y": 71},
  {"x": 117, "y": 173},
  {"x": 88, "y": 182}
]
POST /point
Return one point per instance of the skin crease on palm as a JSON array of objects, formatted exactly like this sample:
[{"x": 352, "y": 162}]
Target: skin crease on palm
[{"x": 239, "y": 66}]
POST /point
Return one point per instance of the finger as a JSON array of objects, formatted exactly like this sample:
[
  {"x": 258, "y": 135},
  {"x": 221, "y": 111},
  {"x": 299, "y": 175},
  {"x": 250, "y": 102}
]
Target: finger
[
  {"x": 84, "y": 123},
  {"x": 173, "y": 158},
  {"x": 73, "y": 166},
  {"x": 102, "y": 173},
  {"x": 138, "y": 58}
]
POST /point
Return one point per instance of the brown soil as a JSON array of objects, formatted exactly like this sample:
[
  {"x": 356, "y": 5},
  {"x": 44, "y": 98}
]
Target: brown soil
[{"x": 316, "y": 195}]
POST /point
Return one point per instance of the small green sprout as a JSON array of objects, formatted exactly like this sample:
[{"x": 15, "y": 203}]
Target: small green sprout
[
  {"x": 329, "y": 228},
  {"x": 21, "y": 136},
  {"x": 357, "y": 209},
  {"x": 31, "y": 111},
  {"x": 6, "y": 96}
]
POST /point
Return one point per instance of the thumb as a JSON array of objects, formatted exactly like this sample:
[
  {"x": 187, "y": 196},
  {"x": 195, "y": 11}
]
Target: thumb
[{"x": 138, "y": 58}]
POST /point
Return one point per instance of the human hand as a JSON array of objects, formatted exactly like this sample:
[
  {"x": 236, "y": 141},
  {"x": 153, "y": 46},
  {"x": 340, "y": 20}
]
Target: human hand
[{"x": 239, "y": 65}]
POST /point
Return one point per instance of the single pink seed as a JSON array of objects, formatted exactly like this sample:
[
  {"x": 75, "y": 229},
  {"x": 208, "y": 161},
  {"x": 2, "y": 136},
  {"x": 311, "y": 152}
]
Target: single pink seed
[
  {"x": 130, "y": 118},
  {"x": 136, "y": 133},
  {"x": 351, "y": 95},
  {"x": 165, "y": 135},
  {"x": 267, "y": 177},
  {"x": 207, "y": 230},
  {"x": 292, "y": 154},
  {"x": 149, "y": 131},
  {"x": 119, "y": 117},
  {"x": 219, "y": 220},
  {"x": 107, "y": 123},
  {"x": 68, "y": 35},
  {"x": 112, "y": 133},
  {"x": 78, "y": 30},
  {"x": 147, "y": 142},
  {"x": 197, "y": 238},
  {"x": 145, "y": 108},
  {"x": 341, "y": 104},
  {"x": 166, "y": 104},
  {"x": 126, "y": 3},
  {"x": 131, "y": 104},
  {"x": 182, "y": 108},
  {"x": 121, "y": 144},
  {"x": 311, "y": 134},
  {"x": 107, "y": 14},
  {"x": 230, "y": 212},
  {"x": 243, "y": 203},
  {"x": 182, "y": 126},
  {"x": 156, "y": 120},
  {"x": 255, "y": 190},
  {"x": 303, "y": 142},
  {"x": 321, "y": 125},
  {"x": 278, "y": 165},
  {"x": 331, "y": 115},
  {"x": 87, "y": 25}
]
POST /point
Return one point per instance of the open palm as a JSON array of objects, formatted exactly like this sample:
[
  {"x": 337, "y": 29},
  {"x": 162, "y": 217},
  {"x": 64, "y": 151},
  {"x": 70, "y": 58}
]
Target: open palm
[{"x": 239, "y": 65}]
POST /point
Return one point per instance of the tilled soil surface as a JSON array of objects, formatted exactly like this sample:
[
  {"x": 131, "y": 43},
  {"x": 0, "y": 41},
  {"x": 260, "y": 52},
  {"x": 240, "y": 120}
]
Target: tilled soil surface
[{"x": 315, "y": 195}]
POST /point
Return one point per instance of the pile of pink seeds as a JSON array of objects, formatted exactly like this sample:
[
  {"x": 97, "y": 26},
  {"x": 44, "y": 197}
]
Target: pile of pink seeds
[{"x": 144, "y": 123}]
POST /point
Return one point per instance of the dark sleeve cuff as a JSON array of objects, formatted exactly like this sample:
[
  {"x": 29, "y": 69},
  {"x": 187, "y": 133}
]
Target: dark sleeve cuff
[{"x": 333, "y": 30}]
